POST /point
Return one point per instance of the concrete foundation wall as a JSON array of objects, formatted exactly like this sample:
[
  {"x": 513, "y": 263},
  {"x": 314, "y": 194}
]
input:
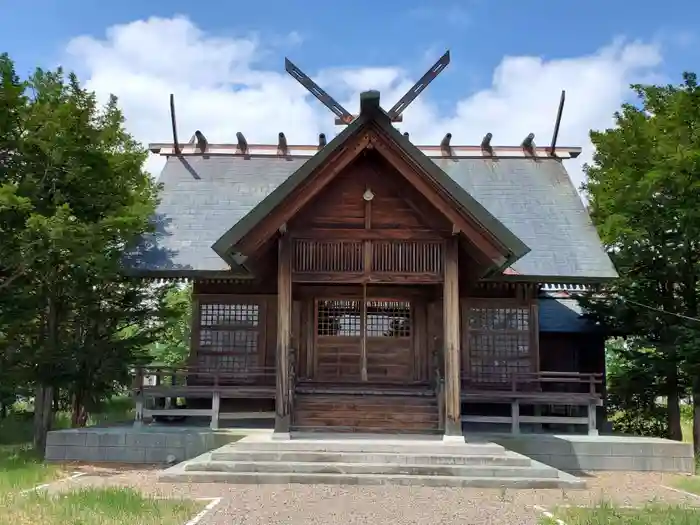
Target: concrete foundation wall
[
  {"x": 591, "y": 453},
  {"x": 132, "y": 445},
  {"x": 571, "y": 453}
]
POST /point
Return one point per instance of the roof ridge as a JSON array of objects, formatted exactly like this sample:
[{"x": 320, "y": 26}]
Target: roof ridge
[{"x": 308, "y": 150}]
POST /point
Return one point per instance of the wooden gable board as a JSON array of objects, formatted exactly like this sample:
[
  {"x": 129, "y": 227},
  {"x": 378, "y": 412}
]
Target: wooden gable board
[{"x": 344, "y": 148}]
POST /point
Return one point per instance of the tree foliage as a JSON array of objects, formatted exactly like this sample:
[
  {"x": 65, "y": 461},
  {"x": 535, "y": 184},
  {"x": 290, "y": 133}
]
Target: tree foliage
[
  {"x": 73, "y": 197},
  {"x": 644, "y": 193},
  {"x": 173, "y": 344},
  {"x": 633, "y": 389}
]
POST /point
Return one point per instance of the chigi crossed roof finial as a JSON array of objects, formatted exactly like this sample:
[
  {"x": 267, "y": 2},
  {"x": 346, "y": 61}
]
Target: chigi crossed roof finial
[
  {"x": 369, "y": 101},
  {"x": 343, "y": 116}
]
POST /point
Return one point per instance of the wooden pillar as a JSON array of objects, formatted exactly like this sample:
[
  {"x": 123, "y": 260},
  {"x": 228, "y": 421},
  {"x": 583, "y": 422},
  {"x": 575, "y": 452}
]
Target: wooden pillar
[
  {"x": 284, "y": 326},
  {"x": 215, "y": 410},
  {"x": 450, "y": 304}
]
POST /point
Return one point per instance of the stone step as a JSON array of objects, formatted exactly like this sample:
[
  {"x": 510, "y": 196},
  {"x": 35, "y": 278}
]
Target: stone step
[
  {"x": 384, "y": 469},
  {"x": 378, "y": 446},
  {"x": 175, "y": 474},
  {"x": 235, "y": 454}
]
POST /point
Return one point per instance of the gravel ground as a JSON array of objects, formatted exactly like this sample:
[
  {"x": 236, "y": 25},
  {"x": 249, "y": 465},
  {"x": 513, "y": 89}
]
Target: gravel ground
[{"x": 324, "y": 504}]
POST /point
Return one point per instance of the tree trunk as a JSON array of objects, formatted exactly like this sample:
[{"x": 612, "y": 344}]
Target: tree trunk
[
  {"x": 78, "y": 413},
  {"x": 675, "y": 430},
  {"x": 44, "y": 398},
  {"x": 43, "y": 416},
  {"x": 696, "y": 416}
]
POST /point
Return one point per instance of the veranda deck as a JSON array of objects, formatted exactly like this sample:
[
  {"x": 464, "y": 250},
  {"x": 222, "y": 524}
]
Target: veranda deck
[{"x": 157, "y": 390}]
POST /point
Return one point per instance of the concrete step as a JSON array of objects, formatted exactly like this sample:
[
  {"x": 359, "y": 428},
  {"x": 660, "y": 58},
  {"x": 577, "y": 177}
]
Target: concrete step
[
  {"x": 235, "y": 454},
  {"x": 383, "y": 469},
  {"x": 377, "y": 446},
  {"x": 180, "y": 475}
]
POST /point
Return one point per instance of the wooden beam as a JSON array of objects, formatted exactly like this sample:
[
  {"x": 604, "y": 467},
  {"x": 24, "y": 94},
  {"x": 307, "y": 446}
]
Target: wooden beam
[
  {"x": 370, "y": 234},
  {"x": 363, "y": 330},
  {"x": 372, "y": 278},
  {"x": 352, "y": 291},
  {"x": 450, "y": 302},
  {"x": 535, "y": 335},
  {"x": 284, "y": 326}
]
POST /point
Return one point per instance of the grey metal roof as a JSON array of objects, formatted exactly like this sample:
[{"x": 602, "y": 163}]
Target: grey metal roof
[
  {"x": 200, "y": 200},
  {"x": 536, "y": 200},
  {"x": 564, "y": 316},
  {"x": 203, "y": 196}
]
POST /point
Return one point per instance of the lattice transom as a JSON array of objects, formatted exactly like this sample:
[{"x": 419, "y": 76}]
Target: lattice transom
[
  {"x": 228, "y": 337},
  {"x": 499, "y": 343}
]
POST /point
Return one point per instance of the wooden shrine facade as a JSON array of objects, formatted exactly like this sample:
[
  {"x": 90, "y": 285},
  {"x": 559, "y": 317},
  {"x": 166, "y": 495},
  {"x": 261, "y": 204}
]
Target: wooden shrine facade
[
  {"x": 368, "y": 313},
  {"x": 370, "y": 292}
]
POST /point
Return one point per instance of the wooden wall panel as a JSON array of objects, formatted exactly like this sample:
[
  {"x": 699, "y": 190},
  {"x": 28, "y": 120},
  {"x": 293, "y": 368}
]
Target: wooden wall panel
[
  {"x": 562, "y": 352},
  {"x": 389, "y": 360},
  {"x": 371, "y": 413},
  {"x": 271, "y": 332},
  {"x": 338, "y": 359},
  {"x": 421, "y": 351},
  {"x": 395, "y": 204}
]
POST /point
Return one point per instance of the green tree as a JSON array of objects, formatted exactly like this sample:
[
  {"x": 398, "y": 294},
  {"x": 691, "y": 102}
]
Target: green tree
[
  {"x": 644, "y": 193},
  {"x": 633, "y": 389},
  {"x": 73, "y": 197},
  {"x": 173, "y": 344}
]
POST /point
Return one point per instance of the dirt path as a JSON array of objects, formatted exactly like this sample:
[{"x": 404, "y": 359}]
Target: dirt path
[{"x": 349, "y": 505}]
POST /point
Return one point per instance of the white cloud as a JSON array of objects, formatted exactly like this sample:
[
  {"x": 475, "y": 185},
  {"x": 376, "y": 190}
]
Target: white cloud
[{"x": 221, "y": 88}]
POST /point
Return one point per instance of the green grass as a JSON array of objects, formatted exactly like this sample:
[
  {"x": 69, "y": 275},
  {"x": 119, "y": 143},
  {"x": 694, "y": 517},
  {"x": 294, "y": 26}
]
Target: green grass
[
  {"x": 611, "y": 515},
  {"x": 19, "y": 466},
  {"x": 689, "y": 484},
  {"x": 103, "y": 506},
  {"x": 687, "y": 428},
  {"x": 21, "y": 469}
]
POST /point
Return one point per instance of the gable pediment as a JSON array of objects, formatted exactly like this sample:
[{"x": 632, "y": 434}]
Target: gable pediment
[{"x": 372, "y": 132}]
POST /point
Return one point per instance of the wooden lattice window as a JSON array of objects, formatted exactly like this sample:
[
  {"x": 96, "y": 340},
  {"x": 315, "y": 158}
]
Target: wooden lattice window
[
  {"x": 310, "y": 256},
  {"x": 344, "y": 318},
  {"x": 388, "y": 319},
  {"x": 338, "y": 318},
  {"x": 498, "y": 342},
  {"x": 403, "y": 256},
  {"x": 348, "y": 256},
  {"x": 228, "y": 337}
]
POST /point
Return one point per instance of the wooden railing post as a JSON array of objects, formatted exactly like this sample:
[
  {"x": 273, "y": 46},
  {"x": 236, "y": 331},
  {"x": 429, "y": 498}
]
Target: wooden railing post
[
  {"x": 215, "y": 403},
  {"x": 592, "y": 408},
  {"x": 138, "y": 397},
  {"x": 292, "y": 380},
  {"x": 284, "y": 326},
  {"x": 450, "y": 300},
  {"x": 439, "y": 391}
]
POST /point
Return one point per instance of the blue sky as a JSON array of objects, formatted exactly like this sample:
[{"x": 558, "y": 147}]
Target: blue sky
[
  {"x": 510, "y": 59},
  {"x": 374, "y": 33}
]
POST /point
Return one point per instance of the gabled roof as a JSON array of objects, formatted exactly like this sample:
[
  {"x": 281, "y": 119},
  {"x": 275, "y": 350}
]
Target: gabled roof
[
  {"x": 371, "y": 114},
  {"x": 534, "y": 198},
  {"x": 564, "y": 315}
]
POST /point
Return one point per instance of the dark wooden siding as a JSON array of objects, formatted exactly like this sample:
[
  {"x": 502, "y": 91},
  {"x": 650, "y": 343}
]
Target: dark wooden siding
[{"x": 396, "y": 205}]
